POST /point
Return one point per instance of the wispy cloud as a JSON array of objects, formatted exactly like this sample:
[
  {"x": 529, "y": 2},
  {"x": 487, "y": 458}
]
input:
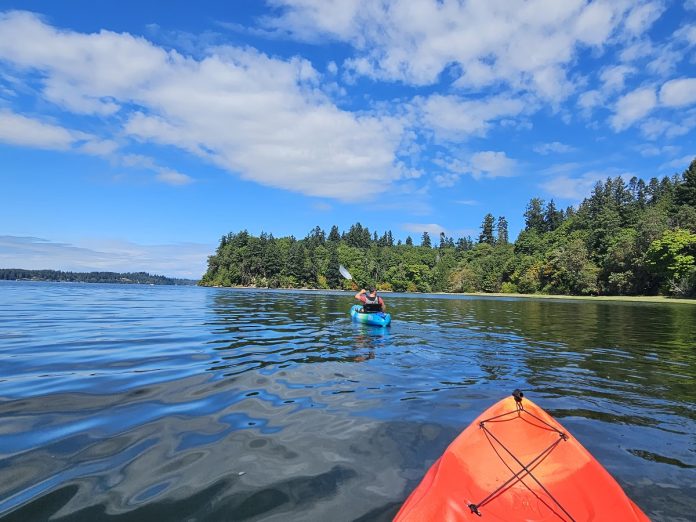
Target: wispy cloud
[
  {"x": 433, "y": 229},
  {"x": 456, "y": 118},
  {"x": 16, "y": 129},
  {"x": 633, "y": 107},
  {"x": 679, "y": 164},
  {"x": 483, "y": 164},
  {"x": 262, "y": 118},
  {"x": 186, "y": 260},
  {"x": 577, "y": 187},
  {"x": 414, "y": 42},
  {"x": 553, "y": 147}
]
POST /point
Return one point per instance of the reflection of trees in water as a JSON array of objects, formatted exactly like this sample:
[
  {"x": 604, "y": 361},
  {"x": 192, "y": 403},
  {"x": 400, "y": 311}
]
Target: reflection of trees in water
[
  {"x": 256, "y": 329},
  {"x": 568, "y": 347}
]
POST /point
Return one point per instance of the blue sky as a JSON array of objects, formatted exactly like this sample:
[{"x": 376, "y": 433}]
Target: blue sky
[{"x": 133, "y": 135}]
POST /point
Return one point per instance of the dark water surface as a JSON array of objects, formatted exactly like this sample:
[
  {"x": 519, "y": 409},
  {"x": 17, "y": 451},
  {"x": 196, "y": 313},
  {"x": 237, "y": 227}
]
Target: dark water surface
[{"x": 139, "y": 403}]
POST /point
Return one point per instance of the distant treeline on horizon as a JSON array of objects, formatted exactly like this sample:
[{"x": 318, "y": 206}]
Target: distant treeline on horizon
[
  {"x": 20, "y": 274},
  {"x": 632, "y": 238}
]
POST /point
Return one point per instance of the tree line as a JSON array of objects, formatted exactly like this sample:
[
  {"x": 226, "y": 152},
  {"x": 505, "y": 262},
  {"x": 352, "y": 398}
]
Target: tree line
[
  {"x": 632, "y": 238},
  {"x": 20, "y": 274}
]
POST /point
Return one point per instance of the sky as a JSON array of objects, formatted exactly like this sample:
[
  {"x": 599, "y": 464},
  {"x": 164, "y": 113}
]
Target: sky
[{"x": 133, "y": 135}]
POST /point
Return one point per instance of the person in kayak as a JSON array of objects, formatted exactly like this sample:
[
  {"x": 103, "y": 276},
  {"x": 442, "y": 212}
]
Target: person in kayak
[{"x": 371, "y": 301}]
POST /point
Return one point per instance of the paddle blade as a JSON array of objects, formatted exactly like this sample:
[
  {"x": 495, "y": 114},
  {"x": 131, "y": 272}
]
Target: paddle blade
[{"x": 345, "y": 273}]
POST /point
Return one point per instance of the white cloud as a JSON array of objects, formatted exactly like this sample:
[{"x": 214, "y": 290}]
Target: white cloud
[
  {"x": 553, "y": 147},
  {"x": 643, "y": 16},
  {"x": 678, "y": 93},
  {"x": 572, "y": 188},
  {"x": 650, "y": 150},
  {"x": 491, "y": 164},
  {"x": 633, "y": 107},
  {"x": 614, "y": 77},
  {"x": 172, "y": 177},
  {"x": 530, "y": 47},
  {"x": 19, "y": 130},
  {"x": 577, "y": 187},
  {"x": 456, "y": 118},
  {"x": 654, "y": 128},
  {"x": 680, "y": 164},
  {"x": 27, "y": 132},
  {"x": 433, "y": 229},
  {"x": 589, "y": 100},
  {"x": 688, "y": 33},
  {"x": 262, "y": 118},
  {"x": 186, "y": 260},
  {"x": 484, "y": 164}
]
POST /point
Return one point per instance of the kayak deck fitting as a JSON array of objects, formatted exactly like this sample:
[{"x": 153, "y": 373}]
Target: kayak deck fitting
[
  {"x": 373, "y": 318},
  {"x": 517, "y": 463}
]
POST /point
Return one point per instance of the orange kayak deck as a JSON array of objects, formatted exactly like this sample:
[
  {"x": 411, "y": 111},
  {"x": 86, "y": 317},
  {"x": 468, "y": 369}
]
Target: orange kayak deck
[{"x": 516, "y": 462}]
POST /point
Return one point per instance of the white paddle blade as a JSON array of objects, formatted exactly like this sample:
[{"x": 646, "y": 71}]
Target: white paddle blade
[{"x": 345, "y": 273}]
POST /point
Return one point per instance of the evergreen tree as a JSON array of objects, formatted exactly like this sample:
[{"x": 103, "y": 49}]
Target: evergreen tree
[
  {"x": 425, "y": 240},
  {"x": 534, "y": 215},
  {"x": 502, "y": 230},
  {"x": 486, "y": 235},
  {"x": 333, "y": 276},
  {"x": 334, "y": 235},
  {"x": 552, "y": 217},
  {"x": 409, "y": 241},
  {"x": 686, "y": 190}
]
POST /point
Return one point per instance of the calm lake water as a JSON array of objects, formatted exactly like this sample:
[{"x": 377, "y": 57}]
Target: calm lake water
[{"x": 130, "y": 403}]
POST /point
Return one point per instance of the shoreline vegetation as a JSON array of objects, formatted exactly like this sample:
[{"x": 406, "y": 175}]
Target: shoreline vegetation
[
  {"x": 133, "y": 278},
  {"x": 625, "y": 240},
  {"x": 558, "y": 297}
]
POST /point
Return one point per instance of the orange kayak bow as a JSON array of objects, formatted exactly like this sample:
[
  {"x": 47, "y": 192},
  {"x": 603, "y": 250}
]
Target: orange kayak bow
[{"x": 516, "y": 463}]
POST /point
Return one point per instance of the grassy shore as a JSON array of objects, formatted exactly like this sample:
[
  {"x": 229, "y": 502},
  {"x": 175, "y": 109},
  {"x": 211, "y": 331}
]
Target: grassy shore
[{"x": 623, "y": 298}]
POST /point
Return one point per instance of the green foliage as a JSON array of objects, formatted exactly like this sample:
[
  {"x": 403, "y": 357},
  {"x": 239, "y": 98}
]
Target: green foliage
[
  {"x": 624, "y": 238},
  {"x": 141, "y": 278},
  {"x": 673, "y": 259}
]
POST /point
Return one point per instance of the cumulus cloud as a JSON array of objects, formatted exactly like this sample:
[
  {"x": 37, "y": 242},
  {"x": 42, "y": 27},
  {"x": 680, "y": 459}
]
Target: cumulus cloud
[
  {"x": 529, "y": 47},
  {"x": 187, "y": 260},
  {"x": 678, "y": 93},
  {"x": 632, "y": 107},
  {"x": 262, "y": 118},
  {"x": 483, "y": 164},
  {"x": 456, "y": 118},
  {"x": 614, "y": 77}
]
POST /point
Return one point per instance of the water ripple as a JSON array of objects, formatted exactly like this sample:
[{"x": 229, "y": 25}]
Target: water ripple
[{"x": 141, "y": 403}]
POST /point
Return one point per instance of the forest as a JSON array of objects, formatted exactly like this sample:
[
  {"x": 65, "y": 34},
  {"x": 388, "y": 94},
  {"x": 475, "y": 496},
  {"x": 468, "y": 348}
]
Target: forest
[
  {"x": 625, "y": 238},
  {"x": 143, "y": 278}
]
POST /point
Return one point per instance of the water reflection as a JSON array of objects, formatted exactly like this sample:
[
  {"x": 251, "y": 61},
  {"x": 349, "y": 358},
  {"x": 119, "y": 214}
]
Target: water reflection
[{"x": 205, "y": 404}]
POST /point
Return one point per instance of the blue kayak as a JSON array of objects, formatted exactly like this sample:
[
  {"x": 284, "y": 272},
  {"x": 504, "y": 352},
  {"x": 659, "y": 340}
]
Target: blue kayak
[{"x": 374, "y": 318}]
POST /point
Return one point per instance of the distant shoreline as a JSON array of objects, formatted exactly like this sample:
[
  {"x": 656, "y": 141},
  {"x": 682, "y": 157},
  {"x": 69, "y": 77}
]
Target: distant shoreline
[{"x": 60, "y": 276}]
